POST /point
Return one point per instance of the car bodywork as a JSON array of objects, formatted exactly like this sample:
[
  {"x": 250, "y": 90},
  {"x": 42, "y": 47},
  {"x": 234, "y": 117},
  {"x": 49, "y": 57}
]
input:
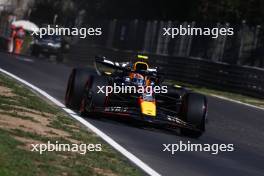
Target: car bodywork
[{"x": 167, "y": 110}]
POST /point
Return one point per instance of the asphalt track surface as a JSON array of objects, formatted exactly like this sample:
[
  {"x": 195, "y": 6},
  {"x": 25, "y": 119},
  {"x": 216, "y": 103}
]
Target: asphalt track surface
[{"x": 229, "y": 123}]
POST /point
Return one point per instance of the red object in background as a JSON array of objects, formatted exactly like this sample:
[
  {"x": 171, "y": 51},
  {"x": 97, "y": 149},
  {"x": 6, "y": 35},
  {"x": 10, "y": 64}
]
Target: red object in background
[
  {"x": 18, "y": 46},
  {"x": 19, "y": 39}
]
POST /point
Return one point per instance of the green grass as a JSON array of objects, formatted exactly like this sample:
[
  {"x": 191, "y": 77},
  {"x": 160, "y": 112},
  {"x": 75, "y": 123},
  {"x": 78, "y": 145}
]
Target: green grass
[
  {"x": 17, "y": 160},
  {"x": 234, "y": 96}
]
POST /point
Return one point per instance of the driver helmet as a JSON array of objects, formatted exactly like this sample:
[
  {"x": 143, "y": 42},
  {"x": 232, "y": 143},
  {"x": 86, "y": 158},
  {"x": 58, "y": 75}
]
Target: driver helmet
[{"x": 137, "y": 79}]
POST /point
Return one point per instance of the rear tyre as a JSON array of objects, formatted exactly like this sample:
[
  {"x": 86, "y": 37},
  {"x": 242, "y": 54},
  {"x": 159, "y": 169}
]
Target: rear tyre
[
  {"x": 193, "y": 111},
  {"x": 75, "y": 88}
]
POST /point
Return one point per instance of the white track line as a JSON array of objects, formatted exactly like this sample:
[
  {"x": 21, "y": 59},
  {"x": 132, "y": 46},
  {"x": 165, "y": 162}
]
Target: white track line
[
  {"x": 236, "y": 101},
  {"x": 105, "y": 137}
]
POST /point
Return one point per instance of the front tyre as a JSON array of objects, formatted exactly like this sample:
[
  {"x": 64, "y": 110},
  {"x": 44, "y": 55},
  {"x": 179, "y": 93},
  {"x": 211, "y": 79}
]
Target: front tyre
[
  {"x": 92, "y": 97},
  {"x": 193, "y": 111},
  {"x": 75, "y": 88}
]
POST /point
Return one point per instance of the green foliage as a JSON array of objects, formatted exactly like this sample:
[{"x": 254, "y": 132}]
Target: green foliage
[{"x": 16, "y": 159}]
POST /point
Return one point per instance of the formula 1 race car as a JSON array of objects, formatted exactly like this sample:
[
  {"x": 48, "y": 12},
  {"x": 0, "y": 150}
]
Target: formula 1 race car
[{"x": 134, "y": 91}]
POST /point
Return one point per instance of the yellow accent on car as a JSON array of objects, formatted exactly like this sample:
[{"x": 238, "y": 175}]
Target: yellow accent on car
[
  {"x": 177, "y": 86},
  {"x": 142, "y": 64},
  {"x": 108, "y": 73},
  {"x": 148, "y": 108},
  {"x": 142, "y": 57}
]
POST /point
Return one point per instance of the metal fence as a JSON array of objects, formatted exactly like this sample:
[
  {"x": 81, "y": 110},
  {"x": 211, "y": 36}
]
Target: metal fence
[{"x": 242, "y": 80}]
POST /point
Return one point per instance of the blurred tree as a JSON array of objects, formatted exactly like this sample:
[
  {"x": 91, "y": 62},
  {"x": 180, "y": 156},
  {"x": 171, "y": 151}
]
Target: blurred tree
[
  {"x": 43, "y": 11},
  {"x": 182, "y": 10},
  {"x": 231, "y": 11}
]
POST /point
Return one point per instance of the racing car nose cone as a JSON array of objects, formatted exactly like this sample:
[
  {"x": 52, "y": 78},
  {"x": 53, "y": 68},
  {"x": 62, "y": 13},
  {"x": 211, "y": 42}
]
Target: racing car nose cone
[{"x": 148, "y": 108}]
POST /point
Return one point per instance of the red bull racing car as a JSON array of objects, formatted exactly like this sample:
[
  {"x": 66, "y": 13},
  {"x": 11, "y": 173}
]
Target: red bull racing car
[{"x": 134, "y": 91}]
